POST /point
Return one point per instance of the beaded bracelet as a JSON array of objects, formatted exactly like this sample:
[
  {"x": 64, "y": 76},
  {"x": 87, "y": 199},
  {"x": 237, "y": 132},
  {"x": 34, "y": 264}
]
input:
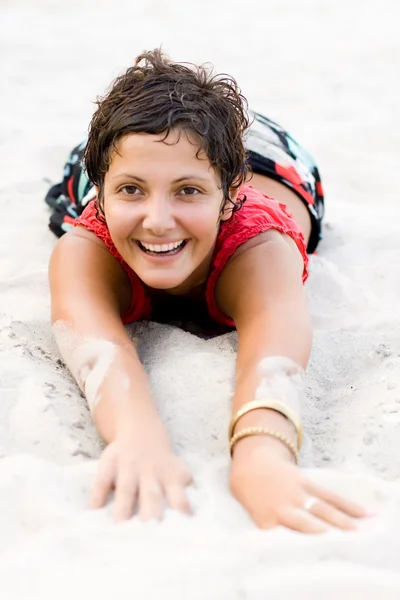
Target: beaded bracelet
[
  {"x": 271, "y": 404},
  {"x": 248, "y": 431}
]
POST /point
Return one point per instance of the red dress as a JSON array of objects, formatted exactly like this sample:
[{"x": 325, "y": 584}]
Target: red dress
[{"x": 259, "y": 213}]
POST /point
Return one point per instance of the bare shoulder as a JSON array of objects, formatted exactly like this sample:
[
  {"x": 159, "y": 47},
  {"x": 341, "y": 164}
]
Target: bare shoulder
[
  {"x": 82, "y": 269},
  {"x": 84, "y": 244},
  {"x": 85, "y": 234},
  {"x": 270, "y": 237},
  {"x": 268, "y": 266}
]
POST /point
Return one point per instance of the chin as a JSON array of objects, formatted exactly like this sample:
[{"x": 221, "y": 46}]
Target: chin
[{"x": 162, "y": 283}]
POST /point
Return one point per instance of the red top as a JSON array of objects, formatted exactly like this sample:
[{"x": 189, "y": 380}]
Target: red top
[{"x": 259, "y": 213}]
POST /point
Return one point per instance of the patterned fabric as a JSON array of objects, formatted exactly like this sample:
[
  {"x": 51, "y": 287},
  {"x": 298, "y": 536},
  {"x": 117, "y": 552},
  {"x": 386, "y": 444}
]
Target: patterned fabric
[
  {"x": 271, "y": 151},
  {"x": 274, "y": 153},
  {"x": 69, "y": 198}
]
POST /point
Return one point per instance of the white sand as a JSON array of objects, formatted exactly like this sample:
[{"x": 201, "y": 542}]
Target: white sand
[{"x": 328, "y": 70}]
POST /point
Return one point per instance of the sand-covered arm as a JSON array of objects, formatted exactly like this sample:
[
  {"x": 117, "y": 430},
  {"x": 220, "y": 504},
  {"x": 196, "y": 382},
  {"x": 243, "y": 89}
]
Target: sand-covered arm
[
  {"x": 261, "y": 289},
  {"x": 89, "y": 291}
]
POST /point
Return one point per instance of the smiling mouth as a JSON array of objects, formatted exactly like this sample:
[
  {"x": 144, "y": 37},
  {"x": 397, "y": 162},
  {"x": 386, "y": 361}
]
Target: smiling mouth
[{"x": 162, "y": 252}]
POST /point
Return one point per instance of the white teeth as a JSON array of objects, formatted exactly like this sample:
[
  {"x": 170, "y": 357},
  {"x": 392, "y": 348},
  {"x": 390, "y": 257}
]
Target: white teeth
[{"x": 162, "y": 247}]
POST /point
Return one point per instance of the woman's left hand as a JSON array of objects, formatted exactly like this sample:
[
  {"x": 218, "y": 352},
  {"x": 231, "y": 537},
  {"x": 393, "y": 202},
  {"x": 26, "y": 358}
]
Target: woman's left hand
[{"x": 275, "y": 491}]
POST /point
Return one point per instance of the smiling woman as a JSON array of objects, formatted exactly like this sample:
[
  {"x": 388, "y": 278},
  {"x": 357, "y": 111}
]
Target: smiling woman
[
  {"x": 162, "y": 224},
  {"x": 178, "y": 204}
]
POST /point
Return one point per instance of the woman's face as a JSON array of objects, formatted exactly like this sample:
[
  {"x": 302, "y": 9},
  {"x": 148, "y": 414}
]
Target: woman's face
[{"x": 162, "y": 203}]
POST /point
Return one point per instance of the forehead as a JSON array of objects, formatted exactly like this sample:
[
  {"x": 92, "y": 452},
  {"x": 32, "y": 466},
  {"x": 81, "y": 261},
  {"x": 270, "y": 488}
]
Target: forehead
[{"x": 178, "y": 150}]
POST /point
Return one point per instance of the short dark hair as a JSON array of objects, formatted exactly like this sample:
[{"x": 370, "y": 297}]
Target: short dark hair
[{"x": 157, "y": 95}]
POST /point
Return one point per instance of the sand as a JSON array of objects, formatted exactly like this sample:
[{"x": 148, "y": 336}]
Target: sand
[{"x": 327, "y": 70}]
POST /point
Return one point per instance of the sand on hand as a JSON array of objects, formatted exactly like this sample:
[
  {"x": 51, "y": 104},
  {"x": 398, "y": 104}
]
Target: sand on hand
[{"x": 326, "y": 72}]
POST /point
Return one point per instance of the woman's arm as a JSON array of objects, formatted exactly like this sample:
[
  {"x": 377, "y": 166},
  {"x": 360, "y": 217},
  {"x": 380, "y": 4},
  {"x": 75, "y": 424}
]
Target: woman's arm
[
  {"x": 261, "y": 289},
  {"x": 89, "y": 291}
]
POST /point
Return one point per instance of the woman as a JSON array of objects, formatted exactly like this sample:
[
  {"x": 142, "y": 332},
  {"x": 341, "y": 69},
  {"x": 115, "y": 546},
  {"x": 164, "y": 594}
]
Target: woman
[{"x": 175, "y": 233}]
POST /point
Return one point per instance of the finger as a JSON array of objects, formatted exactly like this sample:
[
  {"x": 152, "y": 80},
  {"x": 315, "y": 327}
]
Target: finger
[
  {"x": 103, "y": 483},
  {"x": 300, "y": 521},
  {"x": 186, "y": 476},
  {"x": 125, "y": 494},
  {"x": 328, "y": 513},
  {"x": 177, "y": 498},
  {"x": 347, "y": 506},
  {"x": 151, "y": 499}
]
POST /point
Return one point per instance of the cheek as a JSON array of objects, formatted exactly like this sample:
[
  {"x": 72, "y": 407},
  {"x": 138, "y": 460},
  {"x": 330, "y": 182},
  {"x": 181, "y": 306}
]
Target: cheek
[
  {"x": 121, "y": 219},
  {"x": 202, "y": 223}
]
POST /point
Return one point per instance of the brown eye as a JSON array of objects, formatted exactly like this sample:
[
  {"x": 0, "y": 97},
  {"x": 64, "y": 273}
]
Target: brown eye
[
  {"x": 129, "y": 190},
  {"x": 189, "y": 191}
]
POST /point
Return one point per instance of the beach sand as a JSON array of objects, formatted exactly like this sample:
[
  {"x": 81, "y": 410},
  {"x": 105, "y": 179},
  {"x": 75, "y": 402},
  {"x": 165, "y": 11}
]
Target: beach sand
[{"x": 327, "y": 71}]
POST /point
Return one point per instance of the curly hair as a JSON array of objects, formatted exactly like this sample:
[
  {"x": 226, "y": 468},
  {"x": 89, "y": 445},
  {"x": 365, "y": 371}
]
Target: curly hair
[{"x": 156, "y": 95}]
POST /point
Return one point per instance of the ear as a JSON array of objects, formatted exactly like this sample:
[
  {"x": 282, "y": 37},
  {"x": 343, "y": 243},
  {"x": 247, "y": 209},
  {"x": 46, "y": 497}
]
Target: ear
[{"x": 226, "y": 211}]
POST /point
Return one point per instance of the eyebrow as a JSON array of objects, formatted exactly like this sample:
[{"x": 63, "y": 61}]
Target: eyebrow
[{"x": 185, "y": 178}]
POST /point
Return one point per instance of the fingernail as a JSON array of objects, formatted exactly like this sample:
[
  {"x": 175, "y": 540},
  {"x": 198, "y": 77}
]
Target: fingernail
[{"x": 370, "y": 513}]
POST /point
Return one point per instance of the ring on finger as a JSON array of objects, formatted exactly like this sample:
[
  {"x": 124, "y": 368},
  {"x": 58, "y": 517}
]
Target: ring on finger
[{"x": 309, "y": 503}]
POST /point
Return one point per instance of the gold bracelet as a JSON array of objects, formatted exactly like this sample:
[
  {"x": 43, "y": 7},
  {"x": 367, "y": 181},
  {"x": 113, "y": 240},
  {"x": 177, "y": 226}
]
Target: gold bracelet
[
  {"x": 264, "y": 431},
  {"x": 272, "y": 405}
]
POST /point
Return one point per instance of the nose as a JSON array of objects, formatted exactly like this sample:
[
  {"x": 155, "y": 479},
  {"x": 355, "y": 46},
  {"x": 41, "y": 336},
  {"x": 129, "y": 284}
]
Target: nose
[{"x": 158, "y": 215}]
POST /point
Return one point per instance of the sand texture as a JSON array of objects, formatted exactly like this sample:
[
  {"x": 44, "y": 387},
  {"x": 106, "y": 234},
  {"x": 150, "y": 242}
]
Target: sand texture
[{"x": 328, "y": 71}]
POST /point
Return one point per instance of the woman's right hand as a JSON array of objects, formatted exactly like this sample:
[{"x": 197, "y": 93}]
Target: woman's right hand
[{"x": 145, "y": 474}]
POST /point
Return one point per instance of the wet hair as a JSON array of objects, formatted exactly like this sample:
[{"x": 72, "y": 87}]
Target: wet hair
[{"x": 156, "y": 95}]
